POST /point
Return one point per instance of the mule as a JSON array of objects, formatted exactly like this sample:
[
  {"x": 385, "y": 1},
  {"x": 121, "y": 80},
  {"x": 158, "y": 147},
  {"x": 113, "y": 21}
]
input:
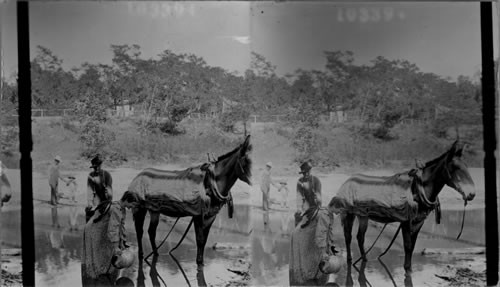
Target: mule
[
  {"x": 447, "y": 169},
  {"x": 198, "y": 192}
]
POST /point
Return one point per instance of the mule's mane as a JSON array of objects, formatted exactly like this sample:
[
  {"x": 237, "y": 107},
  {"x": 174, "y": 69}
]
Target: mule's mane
[
  {"x": 437, "y": 160},
  {"x": 224, "y": 156}
]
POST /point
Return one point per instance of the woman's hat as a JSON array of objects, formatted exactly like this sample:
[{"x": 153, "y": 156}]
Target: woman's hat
[
  {"x": 58, "y": 158},
  {"x": 96, "y": 161},
  {"x": 305, "y": 167},
  {"x": 269, "y": 164}
]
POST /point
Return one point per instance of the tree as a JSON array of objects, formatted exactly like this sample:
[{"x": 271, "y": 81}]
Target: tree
[
  {"x": 91, "y": 111},
  {"x": 52, "y": 87}
]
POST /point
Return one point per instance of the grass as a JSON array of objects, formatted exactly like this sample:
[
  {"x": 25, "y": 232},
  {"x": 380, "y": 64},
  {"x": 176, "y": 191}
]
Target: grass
[{"x": 272, "y": 142}]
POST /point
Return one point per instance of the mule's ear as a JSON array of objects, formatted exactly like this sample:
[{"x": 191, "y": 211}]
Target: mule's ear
[
  {"x": 247, "y": 141},
  {"x": 245, "y": 146},
  {"x": 459, "y": 150}
]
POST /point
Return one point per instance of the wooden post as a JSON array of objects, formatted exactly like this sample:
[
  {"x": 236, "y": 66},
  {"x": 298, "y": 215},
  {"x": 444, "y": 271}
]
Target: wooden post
[
  {"x": 489, "y": 143},
  {"x": 25, "y": 145}
]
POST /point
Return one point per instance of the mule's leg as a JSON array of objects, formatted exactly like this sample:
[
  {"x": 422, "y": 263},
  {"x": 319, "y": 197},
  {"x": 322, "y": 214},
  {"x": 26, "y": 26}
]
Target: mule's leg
[
  {"x": 363, "y": 225},
  {"x": 407, "y": 242},
  {"x": 347, "y": 221},
  {"x": 153, "y": 225},
  {"x": 202, "y": 228},
  {"x": 409, "y": 239},
  {"x": 414, "y": 234},
  {"x": 139, "y": 215}
]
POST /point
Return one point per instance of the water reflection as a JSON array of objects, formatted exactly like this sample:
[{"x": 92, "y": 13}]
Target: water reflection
[
  {"x": 55, "y": 217},
  {"x": 363, "y": 280},
  {"x": 270, "y": 257},
  {"x": 200, "y": 277}
]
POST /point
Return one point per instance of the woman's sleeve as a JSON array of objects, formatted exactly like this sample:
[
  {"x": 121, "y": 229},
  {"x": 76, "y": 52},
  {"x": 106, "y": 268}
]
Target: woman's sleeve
[
  {"x": 90, "y": 192},
  {"x": 108, "y": 184},
  {"x": 114, "y": 224},
  {"x": 317, "y": 191},
  {"x": 299, "y": 197}
]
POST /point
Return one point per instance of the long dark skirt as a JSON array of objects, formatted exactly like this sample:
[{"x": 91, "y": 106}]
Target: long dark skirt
[
  {"x": 97, "y": 253},
  {"x": 307, "y": 247}
]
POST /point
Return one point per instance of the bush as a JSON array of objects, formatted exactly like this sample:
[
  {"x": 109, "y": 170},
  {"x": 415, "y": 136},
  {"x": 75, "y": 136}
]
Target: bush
[
  {"x": 95, "y": 138},
  {"x": 228, "y": 119}
]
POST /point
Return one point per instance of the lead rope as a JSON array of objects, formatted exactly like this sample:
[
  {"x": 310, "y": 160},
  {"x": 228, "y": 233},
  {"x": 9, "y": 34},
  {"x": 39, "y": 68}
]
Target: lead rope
[
  {"x": 158, "y": 247},
  {"x": 463, "y": 220},
  {"x": 373, "y": 244}
]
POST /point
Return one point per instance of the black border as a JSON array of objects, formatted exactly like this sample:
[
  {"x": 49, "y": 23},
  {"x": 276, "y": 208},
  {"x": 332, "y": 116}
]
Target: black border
[
  {"x": 489, "y": 142},
  {"x": 489, "y": 137},
  {"x": 25, "y": 144}
]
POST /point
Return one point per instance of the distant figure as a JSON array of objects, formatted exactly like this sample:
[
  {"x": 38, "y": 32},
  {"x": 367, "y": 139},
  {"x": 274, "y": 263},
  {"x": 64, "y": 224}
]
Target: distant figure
[
  {"x": 283, "y": 190},
  {"x": 54, "y": 177},
  {"x": 308, "y": 195},
  {"x": 72, "y": 188},
  {"x": 104, "y": 239},
  {"x": 99, "y": 186},
  {"x": 265, "y": 186}
]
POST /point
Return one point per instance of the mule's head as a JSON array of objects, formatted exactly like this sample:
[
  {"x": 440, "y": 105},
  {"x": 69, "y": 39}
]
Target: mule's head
[
  {"x": 237, "y": 163},
  {"x": 456, "y": 174},
  {"x": 244, "y": 168},
  {"x": 5, "y": 189}
]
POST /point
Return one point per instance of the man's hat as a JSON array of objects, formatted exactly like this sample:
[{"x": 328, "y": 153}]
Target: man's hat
[
  {"x": 305, "y": 167},
  {"x": 58, "y": 158},
  {"x": 269, "y": 164},
  {"x": 96, "y": 161}
]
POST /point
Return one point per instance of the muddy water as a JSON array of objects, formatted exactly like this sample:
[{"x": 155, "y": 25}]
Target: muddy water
[
  {"x": 271, "y": 251},
  {"x": 58, "y": 250}
]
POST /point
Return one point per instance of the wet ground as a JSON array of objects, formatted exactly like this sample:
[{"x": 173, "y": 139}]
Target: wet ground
[
  {"x": 271, "y": 250},
  {"x": 58, "y": 249}
]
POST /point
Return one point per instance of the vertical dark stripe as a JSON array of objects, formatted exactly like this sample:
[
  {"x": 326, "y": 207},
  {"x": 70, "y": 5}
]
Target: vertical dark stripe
[
  {"x": 489, "y": 137},
  {"x": 25, "y": 144}
]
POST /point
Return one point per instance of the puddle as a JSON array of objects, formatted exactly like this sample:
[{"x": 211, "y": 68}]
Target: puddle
[
  {"x": 271, "y": 250},
  {"x": 58, "y": 250}
]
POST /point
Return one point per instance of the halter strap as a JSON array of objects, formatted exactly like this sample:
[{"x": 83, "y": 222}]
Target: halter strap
[{"x": 421, "y": 193}]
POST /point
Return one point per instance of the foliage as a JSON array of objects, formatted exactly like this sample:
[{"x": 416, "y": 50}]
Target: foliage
[
  {"x": 9, "y": 130},
  {"x": 92, "y": 115},
  {"x": 166, "y": 89},
  {"x": 230, "y": 118}
]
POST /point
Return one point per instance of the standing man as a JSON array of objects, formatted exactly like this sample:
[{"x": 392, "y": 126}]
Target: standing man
[
  {"x": 99, "y": 186},
  {"x": 54, "y": 177},
  {"x": 308, "y": 195},
  {"x": 265, "y": 187}
]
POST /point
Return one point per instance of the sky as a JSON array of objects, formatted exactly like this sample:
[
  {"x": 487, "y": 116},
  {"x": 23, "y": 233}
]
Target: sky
[{"x": 442, "y": 38}]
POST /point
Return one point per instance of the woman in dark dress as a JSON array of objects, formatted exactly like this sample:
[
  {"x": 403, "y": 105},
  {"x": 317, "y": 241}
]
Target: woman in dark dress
[
  {"x": 104, "y": 240},
  {"x": 312, "y": 239}
]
